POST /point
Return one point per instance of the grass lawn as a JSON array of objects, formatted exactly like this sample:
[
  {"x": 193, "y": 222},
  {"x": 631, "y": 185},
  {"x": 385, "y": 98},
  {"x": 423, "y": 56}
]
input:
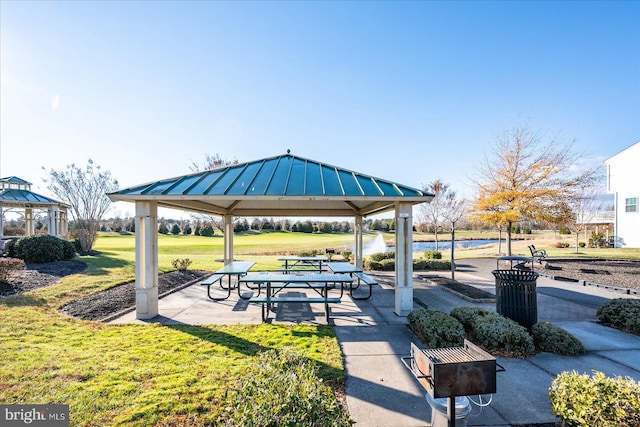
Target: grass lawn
[{"x": 142, "y": 374}]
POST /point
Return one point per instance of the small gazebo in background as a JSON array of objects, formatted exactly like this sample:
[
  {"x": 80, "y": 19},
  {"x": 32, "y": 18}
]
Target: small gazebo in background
[{"x": 16, "y": 196}]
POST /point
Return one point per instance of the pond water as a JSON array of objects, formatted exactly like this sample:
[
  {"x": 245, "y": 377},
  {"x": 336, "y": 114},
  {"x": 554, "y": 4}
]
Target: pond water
[{"x": 446, "y": 245}]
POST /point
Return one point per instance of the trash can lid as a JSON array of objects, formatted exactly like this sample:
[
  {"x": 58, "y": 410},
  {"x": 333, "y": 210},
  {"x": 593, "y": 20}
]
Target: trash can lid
[{"x": 463, "y": 407}]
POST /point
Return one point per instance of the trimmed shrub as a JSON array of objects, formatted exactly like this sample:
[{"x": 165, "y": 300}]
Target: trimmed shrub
[
  {"x": 207, "y": 230},
  {"x": 436, "y": 329},
  {"x": 496, "y": 332},
  {"x": 181, "y": 264},
  {"x": 346, "y": 255},
  {"x": 379, "y": 256},
  {"x": 432, "y": 255},
  {"x": 555, "y": 340},
  {"x": 582, "y": 244},
  {"x": 580, "y": 400},
  {"x": 283, "y": 389},
  {"x": 467, "y": 315},
  {"x": 621, "y": 313},
  {"x": 10, "y": 246},
  {"x": 44, "y": 248},
  {"x": 312, "y": 252}
]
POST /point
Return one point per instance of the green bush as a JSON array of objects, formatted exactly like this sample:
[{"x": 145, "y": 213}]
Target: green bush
[
  {"x": 379, "y": 256},
  {"x": 527, "y": 230},
  {"x": 207, "y": 230},
  {"x": 621, "y": 313},
  {"x": 496, "y": 332},
  {"x": 346, "y": 255},
  {"x": 432, "y": 255},
  {"x": 283, "y": 389},
  {"x": 10, "y": 248},
  {"x": 467, "y": 315},
  {"x": 564, "y": 230},
  {"x": 580, "y": 400},
  {"x": 436, "y": 329},
  {"x": 553, "y": 339},
  {"x": 582, "y": 244},
  {"x": 309, "y": 253},
  {"x": 44, "y": 248}
]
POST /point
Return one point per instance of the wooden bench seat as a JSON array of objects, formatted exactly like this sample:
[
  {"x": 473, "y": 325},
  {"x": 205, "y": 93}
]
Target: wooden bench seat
[{"x": 294, "y": 300}]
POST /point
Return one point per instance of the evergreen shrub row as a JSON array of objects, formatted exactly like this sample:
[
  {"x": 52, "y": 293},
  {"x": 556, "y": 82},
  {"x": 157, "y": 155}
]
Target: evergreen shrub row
[{"x": 436, "y": 329}]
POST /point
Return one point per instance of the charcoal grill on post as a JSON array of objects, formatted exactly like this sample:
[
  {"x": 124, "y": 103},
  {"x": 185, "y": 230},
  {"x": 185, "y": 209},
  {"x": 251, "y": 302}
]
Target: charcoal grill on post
[{"x": 453, "y": 371}]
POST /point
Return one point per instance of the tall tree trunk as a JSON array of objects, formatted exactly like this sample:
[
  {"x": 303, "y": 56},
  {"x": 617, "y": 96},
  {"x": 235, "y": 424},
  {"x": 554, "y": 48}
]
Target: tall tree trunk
[
  {"x": 436, "y": 233},
  {"x": 509, "y": 225}
]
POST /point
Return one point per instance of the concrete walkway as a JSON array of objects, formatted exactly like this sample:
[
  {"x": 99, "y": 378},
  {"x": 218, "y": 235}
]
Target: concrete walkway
[{"x": 382, "y": 392}]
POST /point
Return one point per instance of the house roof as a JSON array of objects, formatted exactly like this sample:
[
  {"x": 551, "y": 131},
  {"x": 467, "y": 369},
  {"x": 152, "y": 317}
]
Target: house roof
[
  {"x": 285, "y": 185},
  {"x": 14, "y": 179}
]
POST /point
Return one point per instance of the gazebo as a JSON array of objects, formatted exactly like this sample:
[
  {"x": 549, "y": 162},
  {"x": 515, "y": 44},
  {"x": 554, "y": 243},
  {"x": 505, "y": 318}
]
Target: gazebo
[
  {"x": 280, "y": 186},
  {"x": 16, "y": 195}
]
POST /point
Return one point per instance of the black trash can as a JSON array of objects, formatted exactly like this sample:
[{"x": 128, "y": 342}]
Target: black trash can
[{"x": 516, "y": 296}]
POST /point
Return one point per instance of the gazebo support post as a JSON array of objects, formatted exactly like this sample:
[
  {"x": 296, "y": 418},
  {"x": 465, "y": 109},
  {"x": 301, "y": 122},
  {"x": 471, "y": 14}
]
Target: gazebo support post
[
  {"x": 404, "y": 259},
  {"x": 358, "y": 246},
  {"x": 228, "y": 238},
  {"x": 1, "y": 220},
  {"x": 29, "y": 228},
  {"x": 53, "y": 227},
  {"x": 146, "y": 260}
]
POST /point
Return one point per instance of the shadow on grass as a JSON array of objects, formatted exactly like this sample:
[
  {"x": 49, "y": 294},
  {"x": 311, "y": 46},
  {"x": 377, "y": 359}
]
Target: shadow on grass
[
  {"x": 22, "y": 301},
  {"x": 100, "y": 264},
  {"x": 330, "y": 374}
]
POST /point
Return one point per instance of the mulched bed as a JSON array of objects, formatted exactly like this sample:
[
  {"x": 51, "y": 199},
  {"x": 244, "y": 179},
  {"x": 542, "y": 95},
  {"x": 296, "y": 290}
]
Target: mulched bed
[
  {"x": 471, "y": 292},
  {"x": 119, "y": 299},
  {"x": 36, "y": 276},
  {"x": 614, "y": 273}
]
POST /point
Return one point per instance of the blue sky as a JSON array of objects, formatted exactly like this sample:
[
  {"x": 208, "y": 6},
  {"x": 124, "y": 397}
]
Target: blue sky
[{"x": 408, "y": 91}]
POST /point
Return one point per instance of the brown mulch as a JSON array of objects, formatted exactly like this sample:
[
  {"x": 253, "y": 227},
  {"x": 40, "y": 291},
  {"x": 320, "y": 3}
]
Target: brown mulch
[
  {"x": 36, "y": 276},
  {"x": 615, "y": 273},
  {"x": 103, "y": 305}
]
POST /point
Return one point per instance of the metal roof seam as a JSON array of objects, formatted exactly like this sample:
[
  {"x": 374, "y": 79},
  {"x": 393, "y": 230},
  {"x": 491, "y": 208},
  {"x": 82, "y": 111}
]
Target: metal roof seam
[
  {"x": 324, "y": 192},
  {"x": 234, "y": 180},
  {"x": 339, "y": 181},
  {"x": 202, "y": 175},
  {"x": 255, "y": 175},
  {"x": 355, "y": 178},
  {"x": 275, "y": 168},
  {"x": 375, "y": 182},
  {"x": 222, "y": 174},
  {"x": 304, "y": 178},
  {"x": 286, "y": 186}
]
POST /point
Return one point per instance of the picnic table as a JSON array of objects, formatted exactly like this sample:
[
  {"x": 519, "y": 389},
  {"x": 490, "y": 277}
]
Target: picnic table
[
  {"x": 303, "y": 263},
  {"x": 234, "y": 268},
  {"x": 273, "y": 283},
  {"x": 352, "y": 270}
]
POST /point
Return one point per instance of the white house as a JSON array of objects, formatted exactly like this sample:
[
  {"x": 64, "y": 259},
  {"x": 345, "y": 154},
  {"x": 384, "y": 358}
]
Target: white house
[{"x": 623, "y": 181}]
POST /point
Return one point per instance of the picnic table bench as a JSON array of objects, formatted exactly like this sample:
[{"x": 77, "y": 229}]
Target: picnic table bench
[
  {"x": 274, "y": 283},
  {"x": 353, "y": 271}
]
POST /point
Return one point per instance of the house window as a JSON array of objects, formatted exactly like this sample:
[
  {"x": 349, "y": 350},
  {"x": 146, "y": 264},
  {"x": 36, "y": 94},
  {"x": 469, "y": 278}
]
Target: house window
[{"x": 631, "y": 204}]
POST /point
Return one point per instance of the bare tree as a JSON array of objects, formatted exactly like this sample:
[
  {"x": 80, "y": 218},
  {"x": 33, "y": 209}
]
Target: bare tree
[
  {"x": 211, "y": 162},
  {"x": 86, "y": 192},
  {"x": 528, "y": 176},
  {"x": 432, "y": 211},
  {"x": 453, "y": 211}
]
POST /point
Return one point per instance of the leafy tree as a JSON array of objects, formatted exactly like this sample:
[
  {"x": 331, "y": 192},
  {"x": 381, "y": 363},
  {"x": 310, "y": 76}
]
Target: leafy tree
[
  {"x": 527, "y": 176},
  {"x": 187, "y": 230},
  {"x": 85, "y": 191},
  {"x": 432, "y": 212}
]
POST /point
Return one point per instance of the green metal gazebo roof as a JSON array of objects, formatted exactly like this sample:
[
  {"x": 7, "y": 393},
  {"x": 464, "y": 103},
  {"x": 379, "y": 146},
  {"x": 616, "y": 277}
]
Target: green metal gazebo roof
[{"x": 284, "y": 185}]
